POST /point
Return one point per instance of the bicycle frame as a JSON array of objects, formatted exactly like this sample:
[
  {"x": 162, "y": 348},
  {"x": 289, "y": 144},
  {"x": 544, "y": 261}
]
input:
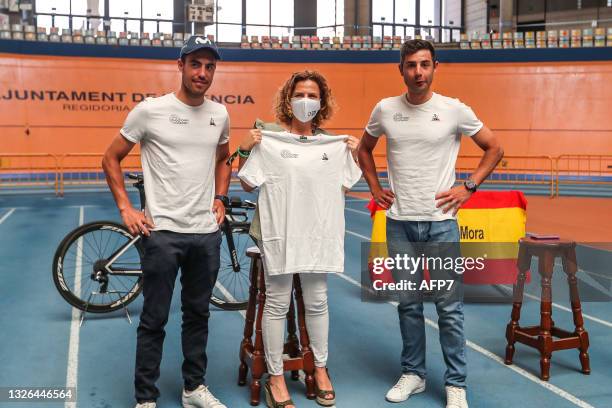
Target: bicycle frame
[
  {"x": 229, "y": 223},
  {"x": 120, "y": 251}
]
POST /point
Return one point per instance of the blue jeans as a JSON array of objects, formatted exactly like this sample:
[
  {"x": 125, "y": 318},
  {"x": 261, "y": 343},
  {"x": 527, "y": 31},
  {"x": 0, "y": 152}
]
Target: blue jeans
[{"x": 416, "y": 238}]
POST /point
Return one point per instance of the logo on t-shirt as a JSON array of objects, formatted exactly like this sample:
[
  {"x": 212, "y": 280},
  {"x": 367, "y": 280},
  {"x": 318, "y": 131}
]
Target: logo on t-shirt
[
  {"x": 212, "y": 121},
  {"x": 305, "y": 139},
  {"x": 324, "y": 157},
  {"x": 435, "y": 118},
  {"x": 175, "y": 119},
  {"x": 398, "y": 117},
  {"x": 286, "y": 154}
]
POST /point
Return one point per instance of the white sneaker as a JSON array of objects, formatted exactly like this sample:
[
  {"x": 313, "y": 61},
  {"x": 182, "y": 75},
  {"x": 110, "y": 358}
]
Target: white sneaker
[
  {"x": 455, "y": 397},
  {"x": 146, "y": 405},
  {"x": 407, "y": 385},
  {"x": 201, "y": 397}
]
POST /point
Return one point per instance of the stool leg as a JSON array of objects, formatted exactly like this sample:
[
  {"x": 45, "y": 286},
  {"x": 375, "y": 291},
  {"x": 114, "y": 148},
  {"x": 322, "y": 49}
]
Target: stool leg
[
  {"x": 546, "y": 263},
  {"x": 249, "y": 321},
  {"x": 570, "y": 267},
  {"x": 307, "y": 355},
  {"x": 523, "y": 264},
  {"x": 259, "y": 360}
]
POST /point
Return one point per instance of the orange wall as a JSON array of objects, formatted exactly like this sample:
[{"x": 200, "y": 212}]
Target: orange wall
[{"x": 535, "y": 108}]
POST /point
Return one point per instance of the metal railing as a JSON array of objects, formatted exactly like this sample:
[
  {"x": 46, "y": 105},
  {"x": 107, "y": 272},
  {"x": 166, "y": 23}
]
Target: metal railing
[
  {"x": 60, "y": 170},
  {"x": 537, "y": 170},
  {"x": 86, "y": 168},
  {"x": 583, "y": 169},
  {"x": 34, "y": 169}
]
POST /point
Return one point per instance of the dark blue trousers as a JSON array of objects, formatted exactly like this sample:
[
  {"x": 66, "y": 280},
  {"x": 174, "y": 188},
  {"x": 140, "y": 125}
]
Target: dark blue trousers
[{"x": 197, "y": 256}]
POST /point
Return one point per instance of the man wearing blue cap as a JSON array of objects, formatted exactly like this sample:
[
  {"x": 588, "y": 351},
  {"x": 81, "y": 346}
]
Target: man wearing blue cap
[{"x": 184, "y": 146}]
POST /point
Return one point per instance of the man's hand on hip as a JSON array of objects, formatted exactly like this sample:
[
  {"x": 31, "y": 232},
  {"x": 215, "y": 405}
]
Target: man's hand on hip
[
  {"x": 136, "y": 221},
  {"x": 219, "y": 211},
  {"x": 384, "y": 198},
  {"x": 453, "y": 199}
]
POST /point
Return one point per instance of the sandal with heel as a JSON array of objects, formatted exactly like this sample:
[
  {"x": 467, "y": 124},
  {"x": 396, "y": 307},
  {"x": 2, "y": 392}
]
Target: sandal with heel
[
  {"x": 322, "y": 394},
  {"x": 271, "y": 402}
]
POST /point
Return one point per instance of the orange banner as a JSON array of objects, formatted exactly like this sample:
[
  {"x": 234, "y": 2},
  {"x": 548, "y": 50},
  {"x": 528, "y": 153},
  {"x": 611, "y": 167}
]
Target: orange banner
[{"x": 77, "y": 104}]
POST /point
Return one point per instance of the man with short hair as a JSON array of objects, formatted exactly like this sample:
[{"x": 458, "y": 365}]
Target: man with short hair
[
  {"x": 184, "y": 146},
  {"x": 423, "y": 131}
]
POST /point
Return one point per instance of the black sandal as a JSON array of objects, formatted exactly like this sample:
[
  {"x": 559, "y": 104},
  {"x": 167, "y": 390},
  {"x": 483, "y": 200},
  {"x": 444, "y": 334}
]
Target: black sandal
[{"x": 271, "y": 402}]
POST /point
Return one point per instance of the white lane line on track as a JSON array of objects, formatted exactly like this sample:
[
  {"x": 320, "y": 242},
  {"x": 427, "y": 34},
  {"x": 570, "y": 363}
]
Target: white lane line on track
[
  {"x": 73, "y": 345},
  {"x": 358, "y": 235},
  {"x": 229, "y": 297},
  {"x": 8, "y": 214},
  {"x": 357, "y": 211},
  {"x": 567, "y": 309}
]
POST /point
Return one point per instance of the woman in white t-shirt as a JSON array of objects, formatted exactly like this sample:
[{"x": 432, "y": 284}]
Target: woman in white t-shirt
[{"x": 303, "y": 172}]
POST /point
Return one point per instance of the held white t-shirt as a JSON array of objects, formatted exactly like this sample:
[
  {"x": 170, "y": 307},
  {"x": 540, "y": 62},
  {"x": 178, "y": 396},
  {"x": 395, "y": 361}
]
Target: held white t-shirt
[
  {"x": 422, "y": 146},
  {"x": 301, "y": 201},
  {"x": 178, "y": 145}
]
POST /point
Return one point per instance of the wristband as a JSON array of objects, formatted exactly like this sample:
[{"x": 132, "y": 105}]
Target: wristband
[
  {"x": 223, "y": 198},
  {"x": 243, "y": 153}
]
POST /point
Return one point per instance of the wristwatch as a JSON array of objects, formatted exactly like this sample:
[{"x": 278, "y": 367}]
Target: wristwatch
[
  {"x": 224, "y": 199},
  {"x": 470, "y": 185}
]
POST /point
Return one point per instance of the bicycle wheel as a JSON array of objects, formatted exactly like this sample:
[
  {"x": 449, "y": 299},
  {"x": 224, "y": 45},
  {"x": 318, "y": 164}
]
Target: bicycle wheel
[
  {"x": 231, "y": 292},
  {"x": 79, "y": 271}
]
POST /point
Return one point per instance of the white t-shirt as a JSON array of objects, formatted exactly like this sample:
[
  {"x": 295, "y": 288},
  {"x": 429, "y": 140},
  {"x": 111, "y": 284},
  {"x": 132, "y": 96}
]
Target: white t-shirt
[
  {"x": 301, "y": 202},
  {"x": 178, "y": 145},
  {"x": 422, "y": 146}
]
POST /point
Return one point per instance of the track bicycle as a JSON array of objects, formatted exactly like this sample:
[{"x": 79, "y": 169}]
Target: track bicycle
[{"x": 97, "y": 266}]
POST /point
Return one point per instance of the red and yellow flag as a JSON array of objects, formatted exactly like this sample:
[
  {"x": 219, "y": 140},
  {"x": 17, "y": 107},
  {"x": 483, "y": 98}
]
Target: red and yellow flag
[{"x": 493, "y": 218}]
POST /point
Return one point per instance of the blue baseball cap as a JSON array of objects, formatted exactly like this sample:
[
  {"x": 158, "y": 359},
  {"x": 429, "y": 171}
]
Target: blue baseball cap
[{"x": 199, "y": 42}]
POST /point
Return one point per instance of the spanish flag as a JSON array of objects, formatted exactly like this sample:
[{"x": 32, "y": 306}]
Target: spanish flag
[{"x": 490, "y": 225}]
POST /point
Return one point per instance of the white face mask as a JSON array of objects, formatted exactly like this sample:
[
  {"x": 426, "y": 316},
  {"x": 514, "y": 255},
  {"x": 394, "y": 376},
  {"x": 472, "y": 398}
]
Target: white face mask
[{"x": 305, "y": 109}]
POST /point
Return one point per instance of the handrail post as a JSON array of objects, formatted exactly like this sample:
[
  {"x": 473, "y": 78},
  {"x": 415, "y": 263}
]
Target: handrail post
[
  {"x": 62, "y": 157},
  {"x": 56, "y": 183},
  {"x": 552, "y": 177},
  {"x": 557, "y": 181}
]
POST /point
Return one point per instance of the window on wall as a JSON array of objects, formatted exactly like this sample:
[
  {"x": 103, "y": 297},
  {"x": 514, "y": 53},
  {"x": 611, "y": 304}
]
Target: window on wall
[
  {"x": 125, "y": 8},
  {"x": 405, "y": 13},
  {"x": 53, "y": 6},
  {"x": 451, "y": 17},
  {"x": 430, "y": 18},
  {"x": 451, "y": 13},
  {"x": 330, "y": 17},
  {"x": 263, "y": 18},
  {"x": 158, "y": 10},
  {"x": 229, "y": 18},
  {"x": 85, "y": 7},
  {"x": 258, "y": 17},
  {"x": 382, "y": 11},
  {"x": 436, "y": 18},
  {"x": 281, "y": 14},
  {"x": 131, "y": 15}
]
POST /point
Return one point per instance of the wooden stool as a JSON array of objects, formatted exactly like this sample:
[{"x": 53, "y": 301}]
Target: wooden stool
[
  {"x": 541, "y": 337},
  {"x": 252, "y": 354}
]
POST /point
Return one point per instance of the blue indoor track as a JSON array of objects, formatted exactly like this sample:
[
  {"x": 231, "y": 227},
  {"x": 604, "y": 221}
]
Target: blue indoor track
[{"x": 43, "y": 345}]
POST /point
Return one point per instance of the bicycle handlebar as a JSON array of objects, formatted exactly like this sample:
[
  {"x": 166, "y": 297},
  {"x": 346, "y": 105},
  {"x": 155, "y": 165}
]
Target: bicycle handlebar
[{"x": 234, "y": 202}]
